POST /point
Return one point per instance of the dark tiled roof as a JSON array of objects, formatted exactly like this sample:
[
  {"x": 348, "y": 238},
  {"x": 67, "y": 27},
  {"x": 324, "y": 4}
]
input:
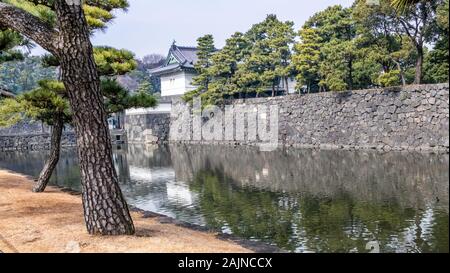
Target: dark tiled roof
[
  {"x": 165, "y": 69},
  {"x": 187, "y": 55},
  {"x": 186, "y": 58}
]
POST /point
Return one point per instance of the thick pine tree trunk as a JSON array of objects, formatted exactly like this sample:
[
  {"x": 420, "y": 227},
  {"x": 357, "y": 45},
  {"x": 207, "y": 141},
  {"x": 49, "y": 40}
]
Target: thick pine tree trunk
[
  {"x": 53, "y": 159},
  {"x": 105, "y": 209}
]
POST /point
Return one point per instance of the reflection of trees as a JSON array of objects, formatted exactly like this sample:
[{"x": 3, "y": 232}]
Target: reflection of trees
[
  {"x": 410, "y": 179},
  {"x": 343, "y": 224},
  {"x": 67, "y": 172},
  {"x": 305, "y": 222},
  {"x": 248, "y": 214},
  {"x": 439, "y": 234},
  {"x": 329, "y": 201}
]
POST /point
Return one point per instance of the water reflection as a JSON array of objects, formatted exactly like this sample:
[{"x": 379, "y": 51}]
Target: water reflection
[{"x": 300, "y": 200}]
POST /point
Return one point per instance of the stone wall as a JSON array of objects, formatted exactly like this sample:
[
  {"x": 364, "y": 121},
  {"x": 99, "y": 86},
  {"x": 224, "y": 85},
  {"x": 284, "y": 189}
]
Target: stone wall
[
  {"x": 409, "y": 118},
  {"x": 147, "y": 128},
  {"x": 33, "y": 141},
  {"x": 25, "y": 128}
]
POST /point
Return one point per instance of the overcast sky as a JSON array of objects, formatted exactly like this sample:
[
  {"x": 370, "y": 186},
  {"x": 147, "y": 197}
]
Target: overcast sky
[{"x": 150, "y": 26}]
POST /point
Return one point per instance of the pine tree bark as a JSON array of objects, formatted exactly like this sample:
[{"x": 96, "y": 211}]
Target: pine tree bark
[
  {"x": 53, "y": 159},
  {"x": 105, "y": 209}
]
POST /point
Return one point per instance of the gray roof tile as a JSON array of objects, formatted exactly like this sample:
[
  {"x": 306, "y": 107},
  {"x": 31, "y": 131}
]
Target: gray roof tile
[{"x": 186, "y": 56}]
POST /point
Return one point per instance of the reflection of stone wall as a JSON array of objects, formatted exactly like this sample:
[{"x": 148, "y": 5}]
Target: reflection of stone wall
[
  {"x": 33, "y": 141},
  {"x": 410, "y": 178},
  {"x": 410, "y": 118},
  {"x": 147, "y": 128},
  {"x": 146, "y": 156}
]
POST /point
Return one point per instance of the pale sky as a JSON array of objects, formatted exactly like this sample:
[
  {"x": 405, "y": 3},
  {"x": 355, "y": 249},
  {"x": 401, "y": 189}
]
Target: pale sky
[{"x": 150, "y": 26}]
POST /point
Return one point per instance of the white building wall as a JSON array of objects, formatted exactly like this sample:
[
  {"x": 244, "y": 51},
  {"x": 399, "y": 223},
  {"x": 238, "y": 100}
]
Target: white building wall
[{"x": 173, "y": 84}]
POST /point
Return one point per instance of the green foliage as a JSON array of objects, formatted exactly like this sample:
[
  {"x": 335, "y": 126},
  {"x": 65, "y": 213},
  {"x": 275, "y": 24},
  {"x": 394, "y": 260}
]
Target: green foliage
[
  {"x": 111, "y": 61},
  {"x": 141, "y": 76},
  {"x": 45, "y": 102},
  {"x": 436, "y": 64},
  {"x": 205, "y": 51},
  {"x": 269, "y": 58},
  {"x": 327, "y": 53},
  {"x": 145, "y": 87},
  {"x": 115, "y": 96},
  {"x": 49, "y": 101},
  {"x": 252, "y": 62},
  {"x": 10, "y": 112},
  {"x": 9, "y": 40},
  {"x": 118, "y": 99},
  {"x": 403, "y": 5},
  {"x": 371, "y": 45},
  {"x": 307, "y": 58},
  {"x": 49, "y": 60},
  {"x": 42, "y": 10},
  {"x": 390, "y": 78},
  {"x": 363, "y": 46},
  {"x": 98, "y": 12},
  {"x": 141, "y": 100}
]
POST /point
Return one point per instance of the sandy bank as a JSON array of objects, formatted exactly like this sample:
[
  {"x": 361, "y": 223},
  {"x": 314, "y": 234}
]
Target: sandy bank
[{"x": 53, "y": 222}]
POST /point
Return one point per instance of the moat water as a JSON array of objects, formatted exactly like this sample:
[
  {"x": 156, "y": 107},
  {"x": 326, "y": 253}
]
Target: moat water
[{"x": 299, "y": 200}]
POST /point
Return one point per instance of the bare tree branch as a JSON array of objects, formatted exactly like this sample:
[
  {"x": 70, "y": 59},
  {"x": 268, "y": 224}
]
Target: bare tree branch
[{"x": 6, "y": 93}]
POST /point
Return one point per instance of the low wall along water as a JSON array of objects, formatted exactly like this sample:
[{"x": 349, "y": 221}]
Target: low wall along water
[
  {"x": 409, "y": 118},
  {"x": 415, "y": 117}
]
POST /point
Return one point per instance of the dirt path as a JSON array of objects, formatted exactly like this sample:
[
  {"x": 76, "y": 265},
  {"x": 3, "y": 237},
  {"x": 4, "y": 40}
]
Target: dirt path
[{"x": 53, "y": 222}]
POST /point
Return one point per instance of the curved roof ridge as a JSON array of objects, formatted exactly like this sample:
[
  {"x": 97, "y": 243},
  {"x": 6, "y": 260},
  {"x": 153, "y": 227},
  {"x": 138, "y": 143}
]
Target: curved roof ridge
[{"x": 188, "y": 47}]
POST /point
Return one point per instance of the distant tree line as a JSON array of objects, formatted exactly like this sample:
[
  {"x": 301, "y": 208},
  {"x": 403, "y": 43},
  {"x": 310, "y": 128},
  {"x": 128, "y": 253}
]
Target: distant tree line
[
  {"x": 20, "y": 73},
  {"x": 370, "y": 44}
]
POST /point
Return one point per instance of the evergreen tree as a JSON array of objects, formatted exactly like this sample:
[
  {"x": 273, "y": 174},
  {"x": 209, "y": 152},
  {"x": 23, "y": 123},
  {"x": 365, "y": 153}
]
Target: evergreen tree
[
  {"x": 269, "y": 60},
  {"x": 205, "y": 51},
  {"x": 48, "y": 103},
  {"x": 9, "y": 41},
  {"x": 63, "y": 28},
  {"x": 436, "y": 63},
  {"x": 378, "y": 43},
  {"x": 418, "y": 23},
  {"x": 335, "y": 31},
  {"x": 307, "y": 59},
  {"x": 145, "y": 88}
]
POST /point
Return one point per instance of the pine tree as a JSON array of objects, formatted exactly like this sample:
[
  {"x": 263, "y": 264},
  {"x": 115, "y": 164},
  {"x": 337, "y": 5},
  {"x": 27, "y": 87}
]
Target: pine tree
[
  {"x": 307, "y": 58},
  {"x": 205, "y": 51},
  {"x": 63, "y": 28},
  {"x": 269, "y": 61},
  {"x": 48, "y": 103}
]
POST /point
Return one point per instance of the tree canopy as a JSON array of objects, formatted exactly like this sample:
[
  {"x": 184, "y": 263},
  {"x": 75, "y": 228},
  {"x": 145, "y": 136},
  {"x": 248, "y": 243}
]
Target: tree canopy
[{"x": 364, "y": 46}]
